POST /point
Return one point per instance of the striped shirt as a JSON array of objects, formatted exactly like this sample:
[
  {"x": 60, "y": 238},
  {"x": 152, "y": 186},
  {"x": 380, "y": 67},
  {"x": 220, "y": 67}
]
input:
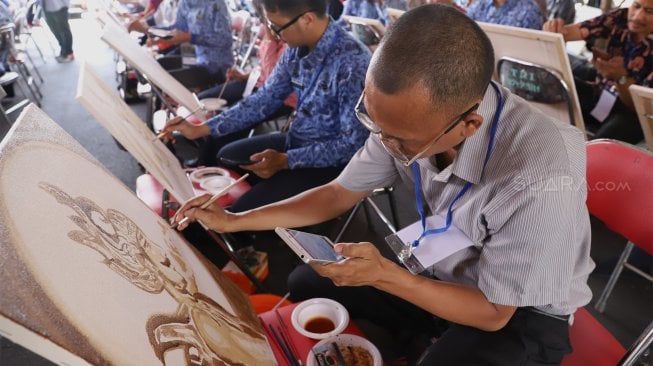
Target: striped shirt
[{"x": 525, "y": 212}]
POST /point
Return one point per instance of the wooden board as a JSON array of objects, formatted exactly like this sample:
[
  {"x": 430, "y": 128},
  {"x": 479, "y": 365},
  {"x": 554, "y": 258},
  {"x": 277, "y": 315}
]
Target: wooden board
[
  {"x": 90, "y": 275},
  {"x": 139, "y": 58},
  {"x": 541, "y": 48},
  {"x": 394, "y": 14},
  {"x": 643, "y": 100},
  {"x": 375, "y": 24},
  {"x": 119, "y": 119}
]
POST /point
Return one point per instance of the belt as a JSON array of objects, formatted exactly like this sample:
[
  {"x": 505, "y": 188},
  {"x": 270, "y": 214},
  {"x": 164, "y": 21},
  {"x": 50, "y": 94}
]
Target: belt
[{"x": 563, "y": 318}]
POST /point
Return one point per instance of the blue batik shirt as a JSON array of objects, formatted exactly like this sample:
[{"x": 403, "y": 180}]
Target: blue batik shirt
[
  {"x": 366, "y": 9},
  {"x": 325, "y": 132},
  {"x": 209, "y": 23},
  {"x": 516, "y": 13}
]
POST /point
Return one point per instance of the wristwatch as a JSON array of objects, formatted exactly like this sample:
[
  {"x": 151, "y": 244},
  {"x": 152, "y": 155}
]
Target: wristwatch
[{"x": 622, "y": 80}]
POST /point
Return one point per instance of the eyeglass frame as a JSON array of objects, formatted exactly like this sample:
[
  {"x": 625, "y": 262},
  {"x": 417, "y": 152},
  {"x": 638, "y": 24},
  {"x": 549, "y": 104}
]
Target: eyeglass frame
[
  {"x": 397, "y": 152},
  {"x": 277, "y": 31}
]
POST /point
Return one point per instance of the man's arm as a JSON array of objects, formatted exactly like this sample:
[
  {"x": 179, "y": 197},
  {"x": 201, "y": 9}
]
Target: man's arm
[
  {"x": 571, "y": 32},
  {"x": 454, "y": 302},
  {"x": 614, "y": 69},
  {"x": 311, "y": 207}
]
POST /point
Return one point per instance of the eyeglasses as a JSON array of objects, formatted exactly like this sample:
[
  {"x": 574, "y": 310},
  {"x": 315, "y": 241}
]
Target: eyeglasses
[
  {"x": 392, "y": 144},
  {"x": 277, "y": 31}
]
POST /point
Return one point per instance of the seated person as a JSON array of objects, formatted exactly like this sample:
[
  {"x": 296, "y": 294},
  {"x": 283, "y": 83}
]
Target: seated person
[
  {"x": 151, "y": 8},
  {"x": 325, "y": 67},
  {"x": 466, "y": 145},
  {"x": 397, "y": 4},
  {"x": 157, "y": 13},
  {"x": 206, "y": 25},
  {"x": 270, "y": 50},
  {"x": 515, "y": 13},
  {"x": 565, "y": 9},
  {"x": 372, "y": 9},
  {"x": 627, "y": 60}
]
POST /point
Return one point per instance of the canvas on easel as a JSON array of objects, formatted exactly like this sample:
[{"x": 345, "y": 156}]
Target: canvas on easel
[
  {"x": 643, "y": 100},
  {"x": 141, "y": 60},
  {"x": 394, "y": 14},
  {"x": 119, "y": 119},
  {"x": 544, "y": 49},
  {"x": 89, "y": 275}
]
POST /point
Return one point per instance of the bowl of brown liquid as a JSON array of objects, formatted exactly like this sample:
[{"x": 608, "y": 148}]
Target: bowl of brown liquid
[{"x": 319, "y": 318}]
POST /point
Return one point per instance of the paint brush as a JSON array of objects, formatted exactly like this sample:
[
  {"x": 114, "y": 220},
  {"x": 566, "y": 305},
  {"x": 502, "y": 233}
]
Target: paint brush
[
  {"x": 208, "y": 203},
  {"x": 163, "y": 133},
  {"x": 284, "y": 298},
  {"x": 224, "y": 86}
]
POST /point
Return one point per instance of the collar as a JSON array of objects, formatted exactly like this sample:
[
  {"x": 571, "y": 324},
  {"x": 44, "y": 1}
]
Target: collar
[
  {"x": 321, "y": 50},
  {"x": 468, "y": 163}
]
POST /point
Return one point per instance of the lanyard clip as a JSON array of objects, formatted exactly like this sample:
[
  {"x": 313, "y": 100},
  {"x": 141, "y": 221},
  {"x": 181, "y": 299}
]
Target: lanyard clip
[{"x": 405, "y": 253}]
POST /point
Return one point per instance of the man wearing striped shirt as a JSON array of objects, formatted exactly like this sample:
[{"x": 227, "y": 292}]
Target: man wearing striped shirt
[{"x": 436, "y": 119}]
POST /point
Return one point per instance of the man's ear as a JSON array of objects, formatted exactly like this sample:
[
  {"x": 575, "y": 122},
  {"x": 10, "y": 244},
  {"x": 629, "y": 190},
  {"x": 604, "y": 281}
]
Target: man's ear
[
  {"x": 471, "y": 124},
  {"x": 309, "y": 17}
]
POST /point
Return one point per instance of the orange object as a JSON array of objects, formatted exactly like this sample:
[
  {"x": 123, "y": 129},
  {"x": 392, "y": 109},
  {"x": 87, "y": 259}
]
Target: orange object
[
  {"x": 265, "y": 302},
  {"x": 260, "y": 271}
]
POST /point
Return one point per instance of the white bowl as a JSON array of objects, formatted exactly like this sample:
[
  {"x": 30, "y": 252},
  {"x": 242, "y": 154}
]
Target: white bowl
[
  {"x": 216, "y": 183},
  {"x": 319, "y": 308},
  {"x": 347, "y": 340},
  {"x": 198, "y": 175}
]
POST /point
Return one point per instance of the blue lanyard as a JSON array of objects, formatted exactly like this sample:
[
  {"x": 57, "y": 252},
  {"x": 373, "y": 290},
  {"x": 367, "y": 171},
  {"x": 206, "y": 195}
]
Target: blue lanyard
[{"x": 418, "y": 184}]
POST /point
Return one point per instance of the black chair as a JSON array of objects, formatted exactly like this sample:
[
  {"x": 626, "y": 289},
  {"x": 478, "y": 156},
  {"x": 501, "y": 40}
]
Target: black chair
[{"x": 535, "y": 83}]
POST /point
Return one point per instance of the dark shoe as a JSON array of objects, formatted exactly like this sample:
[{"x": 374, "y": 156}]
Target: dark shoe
[{"x": 65, "y": 59}]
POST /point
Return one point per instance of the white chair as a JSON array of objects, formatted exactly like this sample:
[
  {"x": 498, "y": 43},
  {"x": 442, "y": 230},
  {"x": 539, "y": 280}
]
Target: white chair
[{"x": 643, "y": 100}]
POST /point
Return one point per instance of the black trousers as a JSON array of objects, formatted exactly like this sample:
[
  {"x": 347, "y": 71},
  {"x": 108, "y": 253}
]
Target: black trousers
[
  {"x": 284, "y": 184},
  {"x": 621, "y": 124},
  {"x": 58, "y": 23},
  {"x": 529, "y": 338}
]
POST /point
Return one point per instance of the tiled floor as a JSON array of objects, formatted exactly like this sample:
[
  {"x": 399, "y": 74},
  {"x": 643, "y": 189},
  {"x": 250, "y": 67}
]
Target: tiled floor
[{"x": 627, "y": 314}]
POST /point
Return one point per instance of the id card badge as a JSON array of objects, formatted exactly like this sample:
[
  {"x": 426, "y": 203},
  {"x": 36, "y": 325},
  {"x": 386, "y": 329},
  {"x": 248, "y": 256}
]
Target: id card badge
[
  {"x": 432, "y": 248},
  {"x": 404, "y": 253},
  {"x": 603, "y": 107}
]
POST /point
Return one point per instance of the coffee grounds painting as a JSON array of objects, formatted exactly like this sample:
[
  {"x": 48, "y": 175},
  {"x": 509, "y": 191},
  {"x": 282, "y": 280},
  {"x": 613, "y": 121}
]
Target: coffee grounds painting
[{"x": 93, "y": 276}]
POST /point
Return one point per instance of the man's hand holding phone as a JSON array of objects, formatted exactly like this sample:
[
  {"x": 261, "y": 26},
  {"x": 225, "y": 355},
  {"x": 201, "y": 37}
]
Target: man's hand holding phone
[
  {"x": 267, "y": 163},
  {"x": 346, "y": 264},
  {"x": 363, "y": 266}
]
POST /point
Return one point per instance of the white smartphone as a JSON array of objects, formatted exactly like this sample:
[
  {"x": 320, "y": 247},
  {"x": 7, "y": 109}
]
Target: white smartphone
[{"x": 311, "y": 248}]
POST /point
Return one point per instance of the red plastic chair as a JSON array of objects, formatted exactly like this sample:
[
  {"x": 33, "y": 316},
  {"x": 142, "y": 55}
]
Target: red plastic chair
[
  {"x": 620, "y": 193},
  {"x": 592, "y": 344}
]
